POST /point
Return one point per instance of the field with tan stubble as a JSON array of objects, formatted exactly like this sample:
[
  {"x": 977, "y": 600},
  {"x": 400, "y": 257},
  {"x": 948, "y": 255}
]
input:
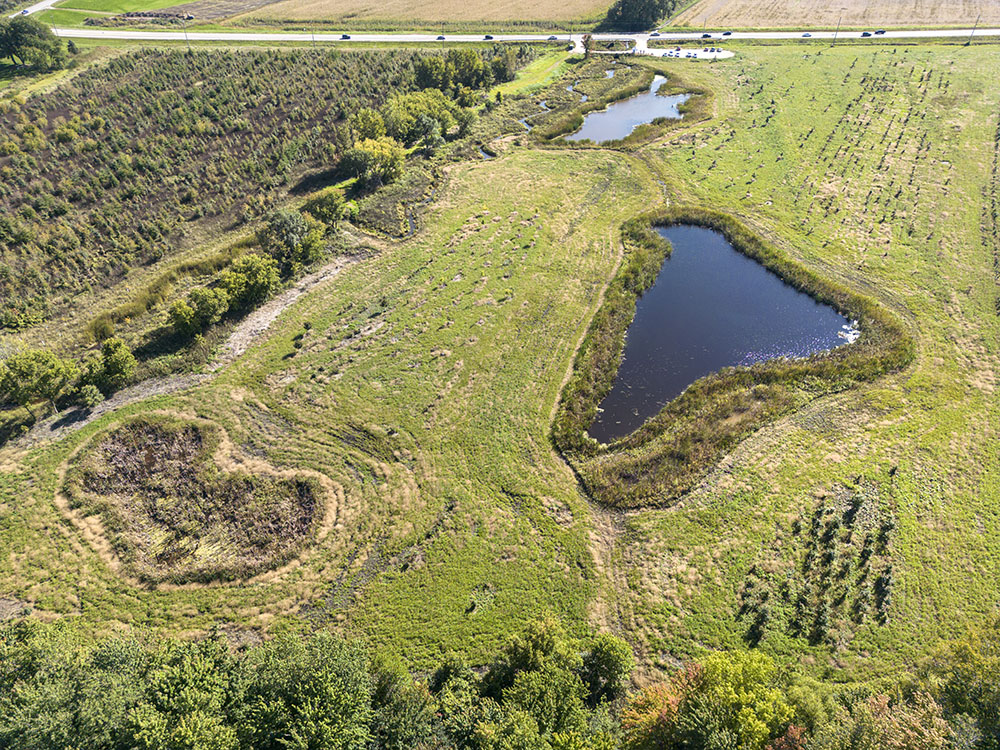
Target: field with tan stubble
[
  {"x": 850, "y": 13},
  {"x": 446, "y": 11}
]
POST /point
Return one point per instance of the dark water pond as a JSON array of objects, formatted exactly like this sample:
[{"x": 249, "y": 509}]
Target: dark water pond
[
  {"x": 710, "y": 307},
  {"x": 619, "y": 119}
]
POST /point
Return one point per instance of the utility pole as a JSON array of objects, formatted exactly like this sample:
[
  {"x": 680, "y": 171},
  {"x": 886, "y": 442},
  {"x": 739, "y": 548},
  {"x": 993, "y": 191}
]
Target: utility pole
[
  {"x": 186, "y": 39},
  {"x": 975, "y": 26},
  {"x": 838, "y": 29}
]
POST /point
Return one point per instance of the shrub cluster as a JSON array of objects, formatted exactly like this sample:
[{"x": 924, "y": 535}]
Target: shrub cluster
[{"x": 33, "y": 375}]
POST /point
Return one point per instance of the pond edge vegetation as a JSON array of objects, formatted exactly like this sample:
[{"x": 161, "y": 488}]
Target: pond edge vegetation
[
  {"x": 697, "y": 108},
  {"x": 673, "y": 451}
]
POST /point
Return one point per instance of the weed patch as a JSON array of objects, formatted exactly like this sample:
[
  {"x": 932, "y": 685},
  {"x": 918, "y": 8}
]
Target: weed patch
[{"x": 172, "y": 516}]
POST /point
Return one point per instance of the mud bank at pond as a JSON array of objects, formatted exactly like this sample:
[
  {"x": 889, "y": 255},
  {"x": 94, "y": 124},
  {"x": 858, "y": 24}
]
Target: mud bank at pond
[{"x": 710, "y": 307}]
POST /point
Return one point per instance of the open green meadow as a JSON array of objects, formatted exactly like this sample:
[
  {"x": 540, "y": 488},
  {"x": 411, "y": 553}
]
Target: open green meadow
[{"x": 421, "y": 381}]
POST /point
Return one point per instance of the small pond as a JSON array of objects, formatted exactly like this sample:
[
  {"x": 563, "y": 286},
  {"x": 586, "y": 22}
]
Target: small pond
[
  {"x": 710, "y": 307},
  {"x": 619, "y": 119}
]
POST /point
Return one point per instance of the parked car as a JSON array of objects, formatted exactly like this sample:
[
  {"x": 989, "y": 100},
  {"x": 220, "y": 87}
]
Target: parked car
[{"x": 866, "y": 33}]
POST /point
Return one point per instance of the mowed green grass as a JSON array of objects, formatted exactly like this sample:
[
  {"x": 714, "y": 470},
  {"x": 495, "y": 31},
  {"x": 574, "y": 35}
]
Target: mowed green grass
[
  {"x": 427, "y": 377},
  {"x": 116, "y": 6}
]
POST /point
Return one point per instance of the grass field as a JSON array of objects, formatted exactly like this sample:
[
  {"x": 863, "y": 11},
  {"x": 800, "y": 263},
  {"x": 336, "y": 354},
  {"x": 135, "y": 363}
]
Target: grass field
[
  {"x": 428, "y": 376},
  {"x": 820, "y": 14},
  {"x": 116, "y": 6}
]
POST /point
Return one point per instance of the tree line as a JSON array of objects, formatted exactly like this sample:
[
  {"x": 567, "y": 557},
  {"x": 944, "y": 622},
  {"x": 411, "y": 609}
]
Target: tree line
[{"x": 542, "y": 691}]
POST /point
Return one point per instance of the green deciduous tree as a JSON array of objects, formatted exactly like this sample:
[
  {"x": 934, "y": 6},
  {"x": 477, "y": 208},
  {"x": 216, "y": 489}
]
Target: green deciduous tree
[
  {"x": 330, "y": 208},
  {"x": 552, "y": 695},
  {"x": 637, "y": 15},
  {"x": 375, "y": 162},
  {"x": 607, "y": 668},
  {"x": 543, "y": 642},
  {"x": 403, "y": 715},
  {"x": 402, "y": 110},
  {"x": 305, "y": 694},
  {"x": 187, "y": 698},
  {"x": 292, "y": 239},
  {"x": 366, "y": 123},
  {"x": 27, "y": 41},
  {"x": 968, "y": 672},
  {"x": 203, "y": 307},
  {"x": 117, "y": 365},
  {"x": 33, "y": 375},
  {"x": 250, "y": 280}
]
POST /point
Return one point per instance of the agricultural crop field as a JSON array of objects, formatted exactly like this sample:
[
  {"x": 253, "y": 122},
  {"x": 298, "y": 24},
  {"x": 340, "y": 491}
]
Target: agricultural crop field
[
  {"x": 400, "y": 408},
  {"x": 818, "y": 14}
]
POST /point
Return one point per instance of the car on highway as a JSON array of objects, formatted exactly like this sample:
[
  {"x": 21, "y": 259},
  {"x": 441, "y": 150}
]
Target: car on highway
[
  {"x": 880, "y": 32},
  {"x": 655, "y": 33},
  {"x": 441, "y": 38},
  {"x": 24, "y": 12},
  {"x": 706, "y": 36},
  {"x": 866, "y": 33},
  {"x": 345, "y": 36},
  {"x": 807, "y": 34},
  {"x": 727, "y": 33},
  {"x": 488, "y": 37},
  {"x": 552, "y": 38}
]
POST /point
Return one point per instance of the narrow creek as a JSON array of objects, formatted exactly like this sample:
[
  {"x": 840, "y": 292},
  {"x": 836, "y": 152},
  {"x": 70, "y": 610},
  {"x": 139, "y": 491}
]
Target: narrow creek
[{"x": 710, "y": 307}]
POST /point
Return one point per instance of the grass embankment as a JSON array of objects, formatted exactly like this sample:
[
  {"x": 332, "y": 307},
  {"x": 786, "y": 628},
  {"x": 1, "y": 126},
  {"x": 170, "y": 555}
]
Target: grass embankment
[{"x": 673, "y": 451}]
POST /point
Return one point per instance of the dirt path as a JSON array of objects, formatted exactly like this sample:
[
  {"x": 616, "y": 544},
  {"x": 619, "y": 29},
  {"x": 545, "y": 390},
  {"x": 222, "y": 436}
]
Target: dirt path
[{"x": 246, "y": 332}]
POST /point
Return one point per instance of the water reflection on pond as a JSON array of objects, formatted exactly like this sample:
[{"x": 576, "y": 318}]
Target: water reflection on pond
[
  {"x": 710, "y": 307},
  {"x": 619, "y": 119}
]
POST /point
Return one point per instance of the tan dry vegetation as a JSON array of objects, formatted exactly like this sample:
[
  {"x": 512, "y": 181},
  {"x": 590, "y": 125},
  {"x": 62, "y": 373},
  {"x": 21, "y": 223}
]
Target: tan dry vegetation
[
  {"x": 325, "y": 517},
  {"x": 445, "y": 11},
  {"x": 819, "y": 13}
]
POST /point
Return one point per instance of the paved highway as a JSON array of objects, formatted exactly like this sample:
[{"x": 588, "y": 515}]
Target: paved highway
[{"x": 639, "y": 40}]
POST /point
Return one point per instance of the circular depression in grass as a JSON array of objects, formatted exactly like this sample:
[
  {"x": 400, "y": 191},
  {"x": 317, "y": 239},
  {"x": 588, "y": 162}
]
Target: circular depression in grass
[{"x": 171, "y": 514}]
